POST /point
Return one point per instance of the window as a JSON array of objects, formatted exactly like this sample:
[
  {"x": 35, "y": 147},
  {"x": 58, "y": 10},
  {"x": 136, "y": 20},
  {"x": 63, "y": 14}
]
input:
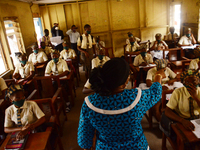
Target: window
[
  {"x": 38, "y": 28},
  {"x": 175, "y": 17},
  {"x": 14, "y": 37}
]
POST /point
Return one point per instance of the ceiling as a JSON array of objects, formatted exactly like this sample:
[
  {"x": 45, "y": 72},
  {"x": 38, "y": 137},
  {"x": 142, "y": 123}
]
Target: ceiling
[{"x": 47, "y": 1}]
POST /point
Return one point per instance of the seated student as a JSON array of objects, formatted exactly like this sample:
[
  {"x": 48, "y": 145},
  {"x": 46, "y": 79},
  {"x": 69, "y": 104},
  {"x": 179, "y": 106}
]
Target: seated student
[
  {"x": 37, "y": 57},
  {"x": 3, "y": 88},
  {"x": 99, "y": 61},
  {"x": 24, "y": 71},
  {"x": 46, "y": 38},
  {"x": 157, "y": 47},
  {"x": 67, "y": 53},
  {"x": 195, "y": 63},
  {"x": 99, "y": 43},
  {"x": 184, "y": 104},
  {"x": 171, "y": 36},
  {"x": 143, "y": 59},
  {"x": 22, "y": 116},
  {"x": 47, "y": 50},
  {"x": 131, "y": 35},
  {"x": 168, "y": 75},
  {"x": 56, "y": 66},
  {"x": 188, "y": 40}
]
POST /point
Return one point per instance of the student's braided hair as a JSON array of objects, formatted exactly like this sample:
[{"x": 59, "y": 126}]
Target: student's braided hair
[{"x": 113, "y": 74}]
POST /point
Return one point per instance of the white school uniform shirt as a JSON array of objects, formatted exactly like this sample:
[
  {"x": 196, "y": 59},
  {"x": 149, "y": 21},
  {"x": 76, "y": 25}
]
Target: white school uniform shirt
[
  {"x": 134, "y": 47},
  {"x": 73, "y": 36},
  {"x": 47, "y": 50},
  {"x": 128, "y": 41},
  {"x": 46, "y": 39},
  {"x": 168, "y": 73},
  {"x": 84, "y": 43},
  {"x": 40, "y": 57},
  {"x": 24, "y": 71},
  {"x": 102, "y": 43},
  {"x": 139, "y": 59},
  {"x": 194, "y": 64},
  {"x": 61, "y": 66},
  {"x": 185, "y": 40},
  {"x": 70, "y": 54},
  {"x": 158, "y": 54},
  {"x": 97, "y": 62},
  {"x": 169, "y": 36},
  {"x": 3, "y": 85},
  {"x": 179, "y": 101},
  {"x": 30, "y": 114}
]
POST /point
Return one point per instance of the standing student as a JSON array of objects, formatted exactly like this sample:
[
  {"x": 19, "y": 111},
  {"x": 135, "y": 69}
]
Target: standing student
[
  {"x": 157, "y": 47},
  {"x": 46, "y": 38},
  {"x": 74, "y": 35},
  {"x": 86, "y": 45}
]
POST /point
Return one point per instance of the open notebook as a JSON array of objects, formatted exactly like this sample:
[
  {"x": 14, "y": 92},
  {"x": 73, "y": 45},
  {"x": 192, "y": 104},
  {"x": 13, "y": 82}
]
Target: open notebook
[{"x": 196, "y": 131}]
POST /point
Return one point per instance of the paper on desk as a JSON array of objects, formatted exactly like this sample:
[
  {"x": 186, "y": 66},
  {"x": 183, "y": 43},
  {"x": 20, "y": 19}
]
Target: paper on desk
[
  {"x": 190, "y": 47},
  {"x": 56, "y": 40},
  {"x": 196, "y": 131},
  {"x": 149, "y": 65}
]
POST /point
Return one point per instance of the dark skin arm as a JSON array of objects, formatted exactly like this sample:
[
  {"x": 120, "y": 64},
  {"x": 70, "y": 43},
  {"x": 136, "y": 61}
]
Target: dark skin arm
[
  {"x": 161, "y": 72},
  {"x": 28, "y": 78},
  {"x": 154, "y": 46},
  {"x": 80, "y": 49},
  {"x": 87, "y": 91},
  {"x": 186, "y": 123},
  {"x": 132, "y": 53}
]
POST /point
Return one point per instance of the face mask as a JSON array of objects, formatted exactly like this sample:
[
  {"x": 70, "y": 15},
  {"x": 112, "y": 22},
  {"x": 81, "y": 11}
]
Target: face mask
[
  {"x": 56, "y": 28},
  {"x": 35, "y": 51},
  {"x": 130, "y": 35},
  {"x": 19, "y": 103},
  {"x": 132, "y": 43},
  {"x": 158, "y": 41},
  {"x": 43, "y": 47},
  {"x": 46, "y": 34},
  {"x": 65, "y": 47},
  {"x": 97, "y": 41},
  {"x": 188, "y": 35},
  {"x": 143, "y": 54},
  {"x": 23, "y": 62},
  {"x": 74, "y": 30},
  {"x": 100, "y": 57},
  {"x": 88, "y": 32},
  {"x": 55, "y": 60}
]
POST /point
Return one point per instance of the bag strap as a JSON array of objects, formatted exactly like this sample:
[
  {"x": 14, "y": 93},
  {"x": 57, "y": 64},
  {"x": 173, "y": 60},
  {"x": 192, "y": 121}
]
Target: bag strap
[{"x": 114, "y": 112}]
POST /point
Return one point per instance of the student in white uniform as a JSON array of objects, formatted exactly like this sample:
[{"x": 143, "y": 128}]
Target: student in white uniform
[
  {"x": 67, "y": 53},
  {"x": 22, "y": 116},
  {"x": 99, "y": 61},
  {"x": 157, "y": 47},
  {"x": 3, "y": 88},
  {"x": 171, "y": 36},
  {"x": 188, "y": 40},
  {"x": 168, "y": 75},
  {"x": 195, "y": 63},
  {"x": 37, "y": 57},
  {"x": 46, "y": 49},
  {"x": 86, "y": 45},
  {"x": 24, "y": 71},
  {"x": 129, "y": 36},
  {"x": 74, "y": 35},
  {"x": 56, "y": 66}
]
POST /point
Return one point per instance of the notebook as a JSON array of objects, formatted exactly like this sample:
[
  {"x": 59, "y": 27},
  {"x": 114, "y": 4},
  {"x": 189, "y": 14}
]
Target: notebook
[{"x": 13, "y": 144}]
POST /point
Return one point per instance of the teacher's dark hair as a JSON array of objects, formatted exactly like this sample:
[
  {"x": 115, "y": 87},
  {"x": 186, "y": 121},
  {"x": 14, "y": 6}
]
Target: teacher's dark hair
[{"x": 113, "y": 74}]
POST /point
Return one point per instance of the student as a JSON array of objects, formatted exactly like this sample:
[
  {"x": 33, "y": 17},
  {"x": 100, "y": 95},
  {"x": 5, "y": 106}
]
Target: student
[
  {"x": 3, "y": 88},
  {"x": 184, "y": 104},
  {"x": 171, "y": 36},
  {"x": 157, "y": 47},
  {"x": 129, "y": 36},
  {"x": 74, "y": 35},
  {"x": 22, "y": 116},
  {"x": 46, "y": 38},
  {"x": 188, "y": 39},
  {"x": 24, "y": 71},
  {"x": 86, "y": 45},
  {"x": 143, "y": 59},
  {"x": 47, "y": 50},
  {"x": 132, "y": 46},
  {"x": 195, "y": 63},
  {"x": 56, "y": 66},
  {"x": 99, "y": 61},
  {"x": 67, "y": 53},
  {"x": 37, "y": 57},
  {"x": 99, "y": 43},
  {"x": 168, "y": 75},
  {"x": 53, "y": 29}
]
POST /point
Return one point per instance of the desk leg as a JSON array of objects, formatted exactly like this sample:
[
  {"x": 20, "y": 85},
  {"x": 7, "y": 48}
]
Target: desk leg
[{"x": 164, "y": 142}]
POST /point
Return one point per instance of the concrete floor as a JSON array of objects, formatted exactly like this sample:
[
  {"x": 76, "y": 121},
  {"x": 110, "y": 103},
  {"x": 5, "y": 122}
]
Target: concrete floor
[{"x": 69, "y": 138}]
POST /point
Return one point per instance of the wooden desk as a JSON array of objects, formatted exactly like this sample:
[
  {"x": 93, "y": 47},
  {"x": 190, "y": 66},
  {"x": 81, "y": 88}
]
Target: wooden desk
[
  {"x": 36, "y": 141},
  {"x": 185, "y": 136}
]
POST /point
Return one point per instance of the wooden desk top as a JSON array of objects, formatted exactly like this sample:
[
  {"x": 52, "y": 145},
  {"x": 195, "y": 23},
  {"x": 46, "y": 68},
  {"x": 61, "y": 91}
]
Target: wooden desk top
[
  {"x": 40, "y": 66},
  {"x": 36, "y": 141},
  {"x": 189, "y": 134}
]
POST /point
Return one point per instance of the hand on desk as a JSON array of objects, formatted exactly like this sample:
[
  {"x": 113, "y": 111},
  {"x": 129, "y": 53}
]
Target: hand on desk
[
  {"x": 170, "y": 82},
  {"x": 144, "y": 64}
]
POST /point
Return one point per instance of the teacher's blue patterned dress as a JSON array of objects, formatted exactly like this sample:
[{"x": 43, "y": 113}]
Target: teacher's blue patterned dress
[{"x": 119, "y": 131}]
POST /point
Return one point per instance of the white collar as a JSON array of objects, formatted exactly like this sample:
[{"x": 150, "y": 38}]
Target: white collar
[{"x": 114, "y": 112}]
